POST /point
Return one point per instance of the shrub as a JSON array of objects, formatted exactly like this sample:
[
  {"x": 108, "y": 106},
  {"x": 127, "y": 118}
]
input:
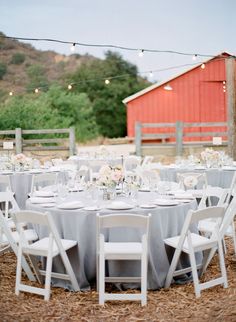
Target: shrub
[{"x": 17, "y": 58}]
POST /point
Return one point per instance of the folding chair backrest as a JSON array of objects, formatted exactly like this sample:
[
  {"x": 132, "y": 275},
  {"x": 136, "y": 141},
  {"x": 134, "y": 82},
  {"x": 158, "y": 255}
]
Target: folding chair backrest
[
  {"x": 131, "y": 162},
  {"x": 43, "y": 179},
  {"x": 147, "y": 159},
  {"x": 232, "y": 189},
  {"x": 5, "y": 183},
  {"x": 8, "y": 199},
  {"x": 209, "y": 192},
  {"x": 191, "y": 180},
  {"x": 228, "y": 217},
  {"x": 123, "y": 220}
]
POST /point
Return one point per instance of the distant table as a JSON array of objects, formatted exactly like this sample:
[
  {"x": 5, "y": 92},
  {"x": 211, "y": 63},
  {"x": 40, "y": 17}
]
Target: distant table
[
  {"x": 218, "y": 177},
  {"x": 80, "y": 225}
]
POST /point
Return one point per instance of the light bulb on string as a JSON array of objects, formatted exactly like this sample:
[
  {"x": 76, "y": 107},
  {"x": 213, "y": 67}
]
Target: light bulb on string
[
  {"x": 194, "y": 57},
  {"x": 107, "y": 81},
  {"x": 69, "y": 87},
  {"x": 72, "y": 48},
  {"x": 203, "y": 66},
  {"x": 151, "y": 74},
  {"x": 141, "y": 53},
  {"x": 36, "y": 90},
  {"x": 224, "y": 82},
  {"x": 10, "y": 93}
]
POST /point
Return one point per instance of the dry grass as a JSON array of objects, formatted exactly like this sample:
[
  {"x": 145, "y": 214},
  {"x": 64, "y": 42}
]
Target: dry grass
[{"x": 177, "y": 303}]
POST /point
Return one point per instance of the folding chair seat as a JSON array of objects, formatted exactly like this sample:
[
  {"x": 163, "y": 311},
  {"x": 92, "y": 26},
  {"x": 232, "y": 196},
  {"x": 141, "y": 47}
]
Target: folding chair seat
[
  {"x": 48, "y": 247},
  {"x": 190, "y": 243},
  {"x": 122, "y": 251}
]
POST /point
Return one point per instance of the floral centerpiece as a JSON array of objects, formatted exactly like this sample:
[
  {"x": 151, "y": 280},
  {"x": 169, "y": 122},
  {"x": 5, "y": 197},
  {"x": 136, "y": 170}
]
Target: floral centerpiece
[
  {"x": 110, "y": 176},
  {"x": 20, "y": 161},
  {"x": 210, "y": 157}
]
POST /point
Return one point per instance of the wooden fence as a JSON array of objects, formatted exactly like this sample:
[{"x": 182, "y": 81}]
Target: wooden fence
[
  {"x": 22, "y": 144},
  {"x": 179, "y": 134}
]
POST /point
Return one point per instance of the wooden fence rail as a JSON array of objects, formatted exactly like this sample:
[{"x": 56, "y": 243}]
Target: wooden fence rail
[
  {"x": 59, "y": 144},
  {"x": 175, "y": 134}
]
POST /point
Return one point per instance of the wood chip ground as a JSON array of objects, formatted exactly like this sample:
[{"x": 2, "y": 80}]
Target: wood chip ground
[{"x": 178, "y": 303}]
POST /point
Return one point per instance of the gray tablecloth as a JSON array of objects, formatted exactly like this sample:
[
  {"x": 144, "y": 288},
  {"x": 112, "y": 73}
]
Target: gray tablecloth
[
  {"x": 215, "y": 177},
  {"x": 80, "y": 225}
]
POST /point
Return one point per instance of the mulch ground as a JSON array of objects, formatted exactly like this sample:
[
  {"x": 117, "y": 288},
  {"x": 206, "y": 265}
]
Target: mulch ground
[{"x": 178, "y": 303}]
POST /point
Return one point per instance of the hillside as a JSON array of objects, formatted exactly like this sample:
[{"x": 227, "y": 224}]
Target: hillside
[{"x": 17, "y": 59}]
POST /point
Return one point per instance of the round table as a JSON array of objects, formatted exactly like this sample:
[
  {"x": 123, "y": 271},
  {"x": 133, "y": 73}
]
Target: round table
[{"x": 80, "y": 225}]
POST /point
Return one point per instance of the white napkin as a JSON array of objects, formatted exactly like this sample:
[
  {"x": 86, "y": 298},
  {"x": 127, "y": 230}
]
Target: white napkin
[{"x": 41, "y": 200}]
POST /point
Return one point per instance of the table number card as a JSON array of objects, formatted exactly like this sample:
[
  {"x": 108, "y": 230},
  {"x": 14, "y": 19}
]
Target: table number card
[
  {"x": 217, "y": 140},
  {"x": 8, "y": 145}
]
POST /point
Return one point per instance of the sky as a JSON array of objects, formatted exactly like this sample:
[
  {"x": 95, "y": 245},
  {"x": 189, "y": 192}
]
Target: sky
[{"x": 191, "y": 26}]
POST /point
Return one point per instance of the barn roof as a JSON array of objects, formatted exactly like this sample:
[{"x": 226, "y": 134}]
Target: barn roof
[{"x": 156, "y": 85}]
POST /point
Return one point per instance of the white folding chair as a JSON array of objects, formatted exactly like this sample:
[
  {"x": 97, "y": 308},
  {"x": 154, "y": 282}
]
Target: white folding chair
[
  {"x": 147, "y": 160},
  {"x": 122, "y": 251},
  {"x": 43, "y": 179},
  {"x": 131, "y": 162},
  {"x": 190, "y": 243},
  {"x": 48, "y": 247},
  {"x": 5, "y": 183},
  {"x": 192, "y": 180}
]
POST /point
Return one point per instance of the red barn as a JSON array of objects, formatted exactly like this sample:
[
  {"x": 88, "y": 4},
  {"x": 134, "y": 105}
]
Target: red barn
[{"x": 196, "y": 95}]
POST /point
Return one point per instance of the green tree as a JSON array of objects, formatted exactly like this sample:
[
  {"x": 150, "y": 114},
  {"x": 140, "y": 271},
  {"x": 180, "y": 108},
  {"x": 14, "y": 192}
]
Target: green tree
[
  {"x": 37, "y": 78},
  {"x": 107, "y": 99},
  {"x": 3, "y": 70},
  {"x": 53, "y": 109}
]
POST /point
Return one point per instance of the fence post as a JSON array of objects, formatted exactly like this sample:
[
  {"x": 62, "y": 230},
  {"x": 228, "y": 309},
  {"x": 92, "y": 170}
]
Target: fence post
[
  {"x": 72, "y": 141},
  {"x": 179, "y": 137},
  {"x": 18, "y": 136},
  {"x": 138, "y": 138}
]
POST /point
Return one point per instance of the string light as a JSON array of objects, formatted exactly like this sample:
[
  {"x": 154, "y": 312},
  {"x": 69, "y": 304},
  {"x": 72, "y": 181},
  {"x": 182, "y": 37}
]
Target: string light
[
  {"x": 167, "y": 87},
  {"x": 108, "y": 46},
  {"x": 72, "y": 48},
  {"x": 224, "y": 82},
  {"x": 107, "y": 81},
  {"x": 10, "y": 93},
  {"x": 203, "y": 66},
  {"x": 194, "y": 57},
  {"x": 141, "y": 53}
]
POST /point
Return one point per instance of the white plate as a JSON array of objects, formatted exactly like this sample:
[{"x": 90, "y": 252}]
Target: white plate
[
  {"x": 35, "y": 171},
  {"x": 147, "y": 206},
  {"x": 75, "y": 189},
  {"x": 165, "y": 202},
  {"x": 6, "y": 172},
  {"x": 70, "y": 205},
  {"x": 144, "y": 189},
  {"x": 48, "y": 205},
  {"x": 44, "y": 193},
  {"x": 92, "y": 208},
  {"x": 119, "y": 206},
  {"x": 184, "y": 196},
  {"x": 185, "y": 200}
]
